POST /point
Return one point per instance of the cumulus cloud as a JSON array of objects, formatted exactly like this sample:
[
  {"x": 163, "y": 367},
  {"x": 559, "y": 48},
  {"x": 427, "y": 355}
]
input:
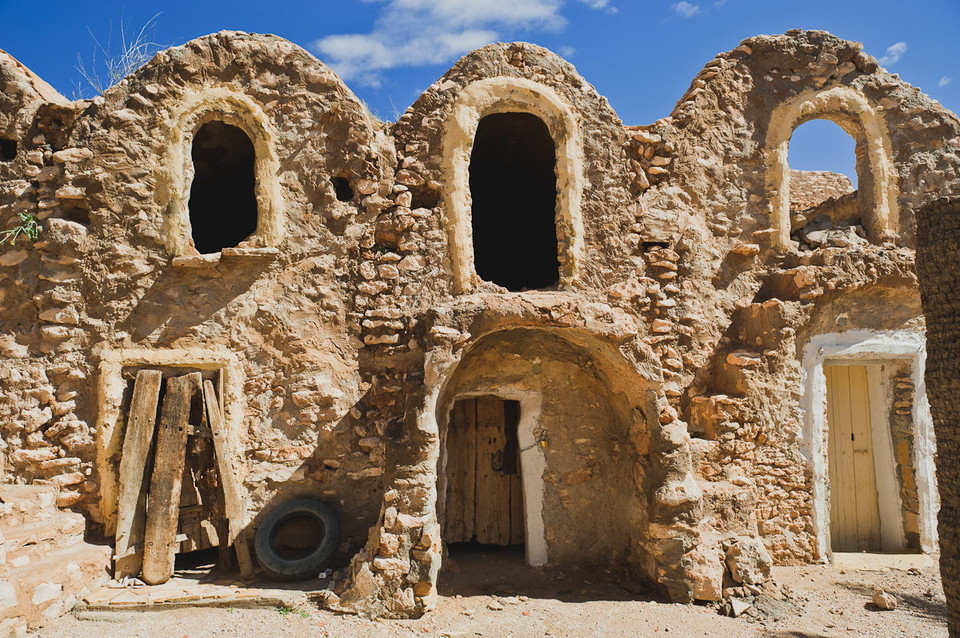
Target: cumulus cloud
[
  {"x": 410, "y": 33},
  {"x": 945, "y": 80},
  {"x": 894, "y": 53},
  {"x": 686, "y": 9}
]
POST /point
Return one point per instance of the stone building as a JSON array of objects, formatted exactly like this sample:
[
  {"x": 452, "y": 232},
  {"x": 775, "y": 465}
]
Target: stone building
[{"x": 647, "y": 329}]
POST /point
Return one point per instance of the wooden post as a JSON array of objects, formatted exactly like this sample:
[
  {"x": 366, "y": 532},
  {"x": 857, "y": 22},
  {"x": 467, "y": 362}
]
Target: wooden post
[
  {"x": 134, "y": 465},
  {"x": 233, "y": 502},
  {"x": 160, "y": 544}
]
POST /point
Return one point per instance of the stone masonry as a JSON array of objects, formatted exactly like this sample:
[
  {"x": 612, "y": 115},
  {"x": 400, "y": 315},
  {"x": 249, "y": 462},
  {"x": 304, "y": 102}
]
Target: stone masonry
[{"x": 669, "y": 383}]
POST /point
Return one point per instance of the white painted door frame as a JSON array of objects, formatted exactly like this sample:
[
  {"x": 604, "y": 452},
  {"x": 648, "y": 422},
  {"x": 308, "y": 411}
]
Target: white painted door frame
[{"x": 871, "y": 348}]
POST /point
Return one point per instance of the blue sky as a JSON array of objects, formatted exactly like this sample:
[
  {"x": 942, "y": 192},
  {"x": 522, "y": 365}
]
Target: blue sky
[{"x": 640, "y": 54}]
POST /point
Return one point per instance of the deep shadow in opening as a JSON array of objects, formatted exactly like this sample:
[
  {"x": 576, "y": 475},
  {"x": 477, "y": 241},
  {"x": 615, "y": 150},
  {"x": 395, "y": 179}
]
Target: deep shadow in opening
[
  {"x": 472, "y": 569},
  {"x": 223, "y": 201},
  {"x": 513, "y": 185},
  {"x": 341, "y": 187},
  {"x": 8, "y": 149},
  {"x": 77, "y": 214},
  {"x": 197, "y": 562}
]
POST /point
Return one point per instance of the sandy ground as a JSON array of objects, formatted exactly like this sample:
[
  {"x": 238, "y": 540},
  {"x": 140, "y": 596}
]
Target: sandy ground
[{"x": 492, "y": 594}]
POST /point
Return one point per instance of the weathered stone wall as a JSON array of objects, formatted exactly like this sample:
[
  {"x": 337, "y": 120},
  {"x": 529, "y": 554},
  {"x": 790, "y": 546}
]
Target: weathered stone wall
[
  {"x": 938, "y": 266},
  {"x": 667, "y": 361},
  {"x": 810, "y": 188}
]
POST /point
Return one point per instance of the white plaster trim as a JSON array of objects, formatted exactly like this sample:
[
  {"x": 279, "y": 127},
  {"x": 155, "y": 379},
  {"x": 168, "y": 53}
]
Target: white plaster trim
[
  {"x": 176, "y": 172},
  {"x": 511, "y": 95},
  {"x": 861, "y": 347},
  {"x": 109, "y": 419},
  {"x": 850, "y": 109}
]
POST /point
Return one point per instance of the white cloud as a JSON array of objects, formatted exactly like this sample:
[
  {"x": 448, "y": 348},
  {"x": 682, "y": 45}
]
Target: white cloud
[
  {"x": 601, "y": 5},
  {"x": 894, "y": 53},
  {"x": 686, "y": 9},
  {"x": 945, "y": 80},
  {"x": 567, "y": 52},
  {"x": 720, "y": 3},
  {"x": 422, "y": 32}
]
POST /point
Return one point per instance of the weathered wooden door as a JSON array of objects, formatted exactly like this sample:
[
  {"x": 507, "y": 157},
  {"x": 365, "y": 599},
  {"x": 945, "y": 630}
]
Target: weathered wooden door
[
  {"x": 171, "y": 497},
  {"x": 484, "y": 501},
  {"x": 854, "y": 508}
]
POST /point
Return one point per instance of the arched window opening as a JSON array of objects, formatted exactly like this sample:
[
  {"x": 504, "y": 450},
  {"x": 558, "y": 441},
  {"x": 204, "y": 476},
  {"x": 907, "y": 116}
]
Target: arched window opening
[
  {"x": 513, "y": 186},
  {"x": 825, "y": 205},
  {"x": 223, "y": 201},
  {"x": 8, "y": 150}
]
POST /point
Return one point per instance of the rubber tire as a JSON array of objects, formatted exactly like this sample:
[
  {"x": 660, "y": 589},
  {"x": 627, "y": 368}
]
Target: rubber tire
[{"x": 309, "y": 566}]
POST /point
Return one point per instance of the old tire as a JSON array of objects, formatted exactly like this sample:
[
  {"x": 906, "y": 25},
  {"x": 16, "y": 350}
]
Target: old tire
[{"x": 296, "y": 538}]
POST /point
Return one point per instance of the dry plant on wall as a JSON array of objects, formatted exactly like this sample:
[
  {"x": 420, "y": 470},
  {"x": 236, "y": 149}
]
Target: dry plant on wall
[
  {"x": 28, "y": 227},
  {"x": 107, "y": 67}
]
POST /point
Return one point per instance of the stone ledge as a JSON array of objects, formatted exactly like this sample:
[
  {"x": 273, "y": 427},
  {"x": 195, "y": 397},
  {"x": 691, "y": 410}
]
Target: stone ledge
[{"x": 211, "y": 260}]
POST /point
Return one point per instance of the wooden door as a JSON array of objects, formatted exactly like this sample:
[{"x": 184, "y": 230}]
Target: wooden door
[
  {"x": 854, "y": 508},
  {"x": 484, "y": 499}
]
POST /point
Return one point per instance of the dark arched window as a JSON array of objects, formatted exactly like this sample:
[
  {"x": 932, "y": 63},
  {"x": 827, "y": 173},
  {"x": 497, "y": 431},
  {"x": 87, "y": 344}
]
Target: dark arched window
[
  {"x": 513, "y": 186},
  {"x": 223, "y": 200}
]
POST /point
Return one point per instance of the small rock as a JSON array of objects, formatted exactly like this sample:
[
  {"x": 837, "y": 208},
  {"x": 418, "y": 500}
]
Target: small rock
[
  {"x": 883, "y": 600},
  {"x": 738, "y": 606},
  {"x": 495, "y": 605}
]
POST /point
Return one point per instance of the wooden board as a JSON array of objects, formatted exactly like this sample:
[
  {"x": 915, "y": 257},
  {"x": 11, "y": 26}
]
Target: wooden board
[
  {"x": 233, "y": 503},
  {"x": 492, "y": 485},
  {"x": 461, "y": 466},
  {"x": 854, "y": 504},
  {"x": 160, "y": 545},
  {"x": 134, "y": 467},
  {"x": 511, "y": 411}
]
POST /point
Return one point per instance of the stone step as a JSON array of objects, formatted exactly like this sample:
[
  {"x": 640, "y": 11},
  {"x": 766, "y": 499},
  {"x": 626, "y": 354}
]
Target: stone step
[
  {"x": 23, "y": 543},
  {"x": 44, "y": 589},
  {"x": 23, "y": 504}
]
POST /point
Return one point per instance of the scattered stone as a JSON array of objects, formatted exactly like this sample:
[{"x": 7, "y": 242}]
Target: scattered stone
[{"x": 884, "y": 600}]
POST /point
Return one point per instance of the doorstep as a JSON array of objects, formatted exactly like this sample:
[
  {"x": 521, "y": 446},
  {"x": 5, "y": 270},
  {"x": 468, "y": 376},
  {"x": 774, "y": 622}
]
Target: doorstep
[
  {"x": 189, "y": 592},
  {"x": 877, "y": 562}
]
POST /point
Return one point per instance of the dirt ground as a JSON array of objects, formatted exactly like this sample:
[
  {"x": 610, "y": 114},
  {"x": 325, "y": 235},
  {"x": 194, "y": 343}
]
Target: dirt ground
[{"x": 491, "y": 594}]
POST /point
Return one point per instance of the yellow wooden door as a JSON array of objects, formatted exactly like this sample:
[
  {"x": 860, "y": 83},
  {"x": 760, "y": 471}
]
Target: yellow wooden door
[
  {"x": 484, "y": 502},
  {"x": 854, "y": 508}
]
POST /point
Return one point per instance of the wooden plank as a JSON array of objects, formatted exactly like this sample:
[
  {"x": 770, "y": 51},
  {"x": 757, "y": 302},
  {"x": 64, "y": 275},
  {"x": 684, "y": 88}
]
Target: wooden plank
[
  {"x": 865, "y": 478},
  {"x": 511, "y": 462},
  {"x": 836, "y": 492},
  {"x": 160, "y": 546},
  {"x": 492, "y": 486},
  {"x": 134, "y": 466},
  {"x": 232, "y": 490},
  {"x": 190, "y": 511},
  {"x": 843, "y": 498},
  {"x": 469, "y": 464},
  {"x": 460, "y": 428},
  {"x": 847, "y": 476}
]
